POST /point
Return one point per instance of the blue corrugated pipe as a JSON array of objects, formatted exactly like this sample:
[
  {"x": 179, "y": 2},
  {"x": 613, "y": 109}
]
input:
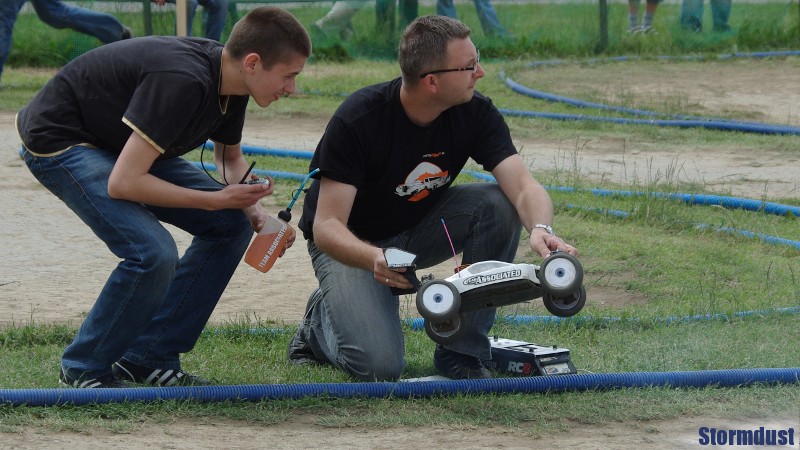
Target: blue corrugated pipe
[
  {"x": 521, "y": 385},
  {"x": 708, "y": 124},
  {"x": 670, "y": 120},
  {"x": 697, "y": 199},
  {"x": 418, "y": 323},
  {"x": 691, "y": 199},
  {"x": 769, "y": 239}
]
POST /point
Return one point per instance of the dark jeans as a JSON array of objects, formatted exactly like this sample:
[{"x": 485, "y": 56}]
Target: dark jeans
[
  {"x": 156, "y": 302},
  {"x": 354, "y": 322}
]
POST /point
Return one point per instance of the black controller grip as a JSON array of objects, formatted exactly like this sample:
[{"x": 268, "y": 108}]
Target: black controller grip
[{"x": 411, "y": 275}]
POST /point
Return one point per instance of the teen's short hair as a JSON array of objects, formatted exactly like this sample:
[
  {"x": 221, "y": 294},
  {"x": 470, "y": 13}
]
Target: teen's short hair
[{"x": 271, "y": 32}]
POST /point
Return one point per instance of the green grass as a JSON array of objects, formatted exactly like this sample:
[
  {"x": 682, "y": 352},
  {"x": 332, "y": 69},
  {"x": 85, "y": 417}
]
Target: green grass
[
  {"x": 233, "y": 354},
  {"x": 656, "y": 259}
]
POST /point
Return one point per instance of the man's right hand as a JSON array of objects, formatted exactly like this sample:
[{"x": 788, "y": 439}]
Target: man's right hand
[{"x": 390, "y": 277}]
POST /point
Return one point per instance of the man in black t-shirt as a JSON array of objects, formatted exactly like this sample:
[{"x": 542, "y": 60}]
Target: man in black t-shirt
[
  {"x": 386, "y": 164},
  {"x": 106, "y": 135}
]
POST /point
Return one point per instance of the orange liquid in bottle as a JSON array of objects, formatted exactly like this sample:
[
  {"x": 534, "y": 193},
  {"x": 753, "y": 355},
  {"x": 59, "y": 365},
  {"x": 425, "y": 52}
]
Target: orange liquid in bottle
[{"x": 269, "y": 244}]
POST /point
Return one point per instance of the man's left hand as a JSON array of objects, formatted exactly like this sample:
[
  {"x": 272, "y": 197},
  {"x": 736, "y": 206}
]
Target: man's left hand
[{"x": 545, "y": 243}]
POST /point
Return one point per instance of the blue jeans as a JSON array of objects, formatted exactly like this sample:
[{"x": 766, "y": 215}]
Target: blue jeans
[
  {"x": 353, "y": 321},
  {"x": 215, "y": 15},
  {"x": 486, "y": 14},
  {"x": 104, "y": 27},
  {"x": 692, "y": 14},
  {"x": 155, "y": 303}
]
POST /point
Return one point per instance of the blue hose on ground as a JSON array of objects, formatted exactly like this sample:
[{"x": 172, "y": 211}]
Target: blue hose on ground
[
  {"x": 769, "y": 239},
  {"x": 673, "y": 121},
  {"x": 418, "y": 324},
  {"x": 521, "y": 385},
  {"x": 698, "y": 199},
  {"x": 555, "y": 98},
  {"x": 691, "y": 199},
  {"x": 708, "y": 124},
  {"x": 279, "y": 152}
]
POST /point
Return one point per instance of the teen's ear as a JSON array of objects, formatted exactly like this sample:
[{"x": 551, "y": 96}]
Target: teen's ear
[{"x": 250, "y": 62}]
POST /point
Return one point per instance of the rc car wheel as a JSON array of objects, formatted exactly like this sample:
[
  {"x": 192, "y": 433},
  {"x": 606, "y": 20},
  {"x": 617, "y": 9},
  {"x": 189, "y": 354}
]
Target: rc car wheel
[
  {"x": 560, "y": 275},
  {"x": 438, "y": 300},
  {"x": 446, "y": 332},
  {"x": 565, "y": 306}
]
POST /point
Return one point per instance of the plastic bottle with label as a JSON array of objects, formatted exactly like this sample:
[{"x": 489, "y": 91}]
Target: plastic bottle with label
[{"x": 269, "y": 244}]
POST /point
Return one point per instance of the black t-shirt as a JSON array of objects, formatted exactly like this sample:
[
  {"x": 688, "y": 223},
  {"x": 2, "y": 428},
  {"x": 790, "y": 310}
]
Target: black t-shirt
[
  {"x": 165, "y": 88},
  {"x": 401, "y": 170}
]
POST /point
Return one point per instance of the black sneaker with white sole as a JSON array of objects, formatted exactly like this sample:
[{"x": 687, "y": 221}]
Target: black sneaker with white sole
[
  {"x": 128, "y": 371},
  {"x": 105, "y": 381}
]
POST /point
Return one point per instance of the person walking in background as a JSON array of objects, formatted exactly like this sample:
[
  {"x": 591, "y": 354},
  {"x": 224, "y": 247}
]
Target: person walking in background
[
  {"x": 338, "y": 22},
  {"x": 57, "y": 14},
  {"x": 486, "y": 14},
  {"x": 106, "y": 135},
  {"x": 692, "y": 15},
  {"x": 647, "y": 19},
  {"x": 215, "y": 14}
]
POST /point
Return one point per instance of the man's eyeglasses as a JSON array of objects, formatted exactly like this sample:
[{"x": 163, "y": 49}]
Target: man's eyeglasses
[{"x": 473, "y": 68}]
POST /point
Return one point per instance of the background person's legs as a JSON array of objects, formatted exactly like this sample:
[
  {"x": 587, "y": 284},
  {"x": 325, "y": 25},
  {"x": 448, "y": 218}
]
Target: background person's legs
[
  {"x": 339, "y": 20},
  {"x": 409, "y": 10},
  {"x": 446, "y": 8},
  {"x": 104, "y": 27},
  {"x": 8, "y": 16},
  {"x": 721, "y": 12},
  {"x": 488, "y": 17},
  {"x": 692, "y": 15},
  {"x": 215, "y": 15}
]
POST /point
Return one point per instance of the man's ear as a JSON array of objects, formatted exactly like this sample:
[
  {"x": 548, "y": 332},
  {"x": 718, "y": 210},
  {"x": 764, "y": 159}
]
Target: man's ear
[
  {"x": 430, "y": 84},
  {"x": 250, "y": 61}
]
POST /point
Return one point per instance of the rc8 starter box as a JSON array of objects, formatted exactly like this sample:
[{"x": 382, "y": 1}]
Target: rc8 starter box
[{"x": 524, "y": 358}]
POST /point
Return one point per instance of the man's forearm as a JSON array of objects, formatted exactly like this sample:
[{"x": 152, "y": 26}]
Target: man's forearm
[{"x": 335, "y": 239}]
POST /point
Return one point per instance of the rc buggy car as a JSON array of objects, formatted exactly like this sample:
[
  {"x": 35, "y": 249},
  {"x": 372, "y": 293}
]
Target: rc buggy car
[{"x": 490, "y": 284}]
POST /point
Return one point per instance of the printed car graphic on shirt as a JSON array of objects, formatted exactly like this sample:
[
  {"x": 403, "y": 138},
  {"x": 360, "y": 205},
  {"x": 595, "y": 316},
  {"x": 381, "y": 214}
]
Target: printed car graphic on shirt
[{"x": 425, "y": 178}]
